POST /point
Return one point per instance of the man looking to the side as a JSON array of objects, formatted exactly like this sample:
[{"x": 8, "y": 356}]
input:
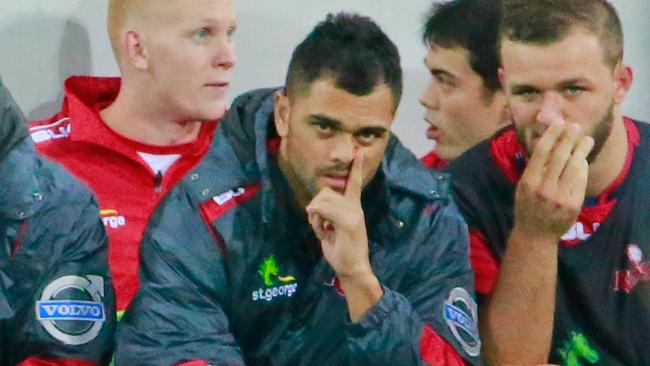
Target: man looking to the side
[
  {"x": 464, "y": 101},
  {"x": 561, "y": 198},
  {"x": 130, "y": 139},
  {"x": 308, "y": 235}
]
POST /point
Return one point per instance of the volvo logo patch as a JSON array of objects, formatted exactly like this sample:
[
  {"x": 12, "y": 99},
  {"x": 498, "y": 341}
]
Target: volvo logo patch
[
  {"x": 71, "y": 308},
  {"x": 460, "y": 313}
]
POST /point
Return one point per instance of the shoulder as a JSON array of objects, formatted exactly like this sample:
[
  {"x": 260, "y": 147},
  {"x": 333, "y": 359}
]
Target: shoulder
[{"x": 421, "y": 194}]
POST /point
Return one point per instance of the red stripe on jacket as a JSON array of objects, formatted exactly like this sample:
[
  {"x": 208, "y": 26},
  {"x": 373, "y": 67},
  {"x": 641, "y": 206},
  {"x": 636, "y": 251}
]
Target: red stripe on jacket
[
  {"x": 436, "y": 351},
  {"x": 35, "y": 361}
]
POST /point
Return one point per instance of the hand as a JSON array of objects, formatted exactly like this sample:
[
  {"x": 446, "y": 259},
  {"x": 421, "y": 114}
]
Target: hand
[
  {"x": 552, "y": 189},
  {"x": 339, "y": 223}
]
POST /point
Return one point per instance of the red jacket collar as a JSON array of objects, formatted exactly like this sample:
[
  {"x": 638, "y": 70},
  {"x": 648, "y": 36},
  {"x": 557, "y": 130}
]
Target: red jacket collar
[{"x": 85, "y": 96}]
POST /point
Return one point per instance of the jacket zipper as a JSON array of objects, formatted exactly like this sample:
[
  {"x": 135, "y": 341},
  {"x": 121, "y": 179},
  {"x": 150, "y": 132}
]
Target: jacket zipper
[{"x": 158, "y": 181}]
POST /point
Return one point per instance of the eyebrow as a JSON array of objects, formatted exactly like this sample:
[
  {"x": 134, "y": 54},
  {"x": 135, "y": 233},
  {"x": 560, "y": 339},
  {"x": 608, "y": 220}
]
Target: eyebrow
[
  {"x": 438, "y": 71},
  {"x": 338, "y": 125},
  {"x": 521, "y": 88},
  {"x": 572, "y": 82}
]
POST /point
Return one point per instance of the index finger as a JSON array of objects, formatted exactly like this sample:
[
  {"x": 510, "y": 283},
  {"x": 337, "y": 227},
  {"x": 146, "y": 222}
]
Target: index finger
[
  {"x": 355, "y": 179},
  {"x": 536, "y": 166}
]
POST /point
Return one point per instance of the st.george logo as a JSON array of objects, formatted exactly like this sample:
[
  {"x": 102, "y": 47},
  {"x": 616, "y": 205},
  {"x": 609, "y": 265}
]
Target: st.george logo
[
  {"x": 276, "y": 284},
  {"x": 71, "y": 308},
  {"x": 112, "y": 219}
]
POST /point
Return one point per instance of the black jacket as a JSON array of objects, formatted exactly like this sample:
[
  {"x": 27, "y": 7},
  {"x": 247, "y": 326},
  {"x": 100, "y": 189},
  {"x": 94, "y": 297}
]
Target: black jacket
[
  {"x": 56, "y": 295},
  {"x": 231, "y": 274}
]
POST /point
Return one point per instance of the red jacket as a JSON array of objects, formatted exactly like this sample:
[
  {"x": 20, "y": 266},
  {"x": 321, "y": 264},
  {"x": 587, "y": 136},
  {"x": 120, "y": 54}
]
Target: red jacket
[{"x": 127, "y": 189}]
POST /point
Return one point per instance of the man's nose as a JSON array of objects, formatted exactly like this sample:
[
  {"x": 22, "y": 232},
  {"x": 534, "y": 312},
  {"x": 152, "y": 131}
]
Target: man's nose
[
  {"x": 429, "y": 97},
  {"x": 550, "y": 109},
  {"x": 224, "y": 53},
  {"x": 344, "y": 148}
]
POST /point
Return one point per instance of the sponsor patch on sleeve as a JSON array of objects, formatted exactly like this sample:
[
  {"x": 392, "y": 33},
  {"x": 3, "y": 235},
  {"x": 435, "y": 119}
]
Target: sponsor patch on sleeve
[
  {"x": 460, "y": 313},
  {"x": 71, "y": 308}
]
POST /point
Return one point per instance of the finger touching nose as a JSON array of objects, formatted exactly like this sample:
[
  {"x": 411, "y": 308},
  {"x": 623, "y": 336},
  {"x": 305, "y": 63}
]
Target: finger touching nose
[{"x": 550, "y": 110}]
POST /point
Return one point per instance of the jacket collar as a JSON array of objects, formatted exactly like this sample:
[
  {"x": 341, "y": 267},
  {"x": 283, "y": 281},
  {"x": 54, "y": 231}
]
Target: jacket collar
[{"x": 84, "y": 97}]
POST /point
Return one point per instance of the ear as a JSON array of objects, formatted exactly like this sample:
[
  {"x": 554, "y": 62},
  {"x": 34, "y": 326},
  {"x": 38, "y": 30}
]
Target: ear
[
  {"x": 506, "y": 114},
  {"x": 135, "y": 52},
  {"x": 624, "y": 75},
  {"x": 281, "y": 112},
  {"x": 502, "y": 78}
]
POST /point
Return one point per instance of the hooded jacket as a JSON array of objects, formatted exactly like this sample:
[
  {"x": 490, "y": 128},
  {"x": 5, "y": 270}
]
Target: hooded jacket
[
  {"x": 14, "y": 126},
  {"x": 113, "y": 167},
  {"x": 56, "y": 296},
  {"x": 239, "y": 279}
]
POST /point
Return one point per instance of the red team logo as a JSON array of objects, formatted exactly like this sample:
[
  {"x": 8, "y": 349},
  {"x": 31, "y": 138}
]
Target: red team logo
[{"x": 638, "y": 270}]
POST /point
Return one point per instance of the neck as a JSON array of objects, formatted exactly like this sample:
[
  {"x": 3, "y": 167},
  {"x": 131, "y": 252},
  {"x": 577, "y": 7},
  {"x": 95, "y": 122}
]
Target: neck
[
  {"x": 610, "y": 161},
  {"x": 133, "y": 116},
  {"x": 301, "y": 196}
]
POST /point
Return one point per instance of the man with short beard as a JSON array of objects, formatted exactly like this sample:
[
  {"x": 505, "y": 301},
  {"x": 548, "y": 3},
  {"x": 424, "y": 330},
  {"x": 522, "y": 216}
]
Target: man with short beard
[
  {"x": 560, "y": 199},
  {"x": 309, "y": 235}
]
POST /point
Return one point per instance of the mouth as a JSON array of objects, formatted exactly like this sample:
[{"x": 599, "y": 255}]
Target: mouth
[
  {"x": 336, "y": 181},
  {"x": 434, "y": 133},
  {"x": 218, "y": 86}
]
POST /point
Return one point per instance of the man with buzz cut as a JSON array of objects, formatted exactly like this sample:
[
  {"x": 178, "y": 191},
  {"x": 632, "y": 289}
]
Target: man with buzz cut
[
  {"x": 130, "y": 139},
  {"x": 464, "y": 101},
  {"x": 56, "y": 295},
  {"x": 309, "y": 235},
  {"x": 561, "y": 199}
]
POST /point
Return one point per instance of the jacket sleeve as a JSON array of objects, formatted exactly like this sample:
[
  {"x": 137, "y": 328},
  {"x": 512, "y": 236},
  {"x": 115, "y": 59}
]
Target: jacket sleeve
[
  {"x": 70, "y": 318},
  {"x": 176, "y": 318},
  {"x": 431, "y": 319}
]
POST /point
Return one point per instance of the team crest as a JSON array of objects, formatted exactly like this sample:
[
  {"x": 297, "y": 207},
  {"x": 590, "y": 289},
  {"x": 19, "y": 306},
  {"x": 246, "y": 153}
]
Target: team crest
[{"x": 638, "y": 270}]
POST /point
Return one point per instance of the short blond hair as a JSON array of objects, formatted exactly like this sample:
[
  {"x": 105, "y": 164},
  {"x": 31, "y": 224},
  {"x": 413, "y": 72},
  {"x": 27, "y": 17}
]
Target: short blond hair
[{"x": 120, "y": 13}]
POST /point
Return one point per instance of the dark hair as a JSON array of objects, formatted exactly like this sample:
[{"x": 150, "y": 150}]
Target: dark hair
[
  {"x": 353, "y": 50},
  {"x": 548, "y": 21},
  {"x": 469, "y": 24}
]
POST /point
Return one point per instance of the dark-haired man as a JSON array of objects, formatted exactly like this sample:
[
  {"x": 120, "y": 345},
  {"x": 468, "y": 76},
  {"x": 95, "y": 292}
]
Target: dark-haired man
[
  {"x": 309, "y": 235},
  {"x": 464, "y": 101},
  {"x": 56, "y": 296},
  {"x": 561, "y": 198}
]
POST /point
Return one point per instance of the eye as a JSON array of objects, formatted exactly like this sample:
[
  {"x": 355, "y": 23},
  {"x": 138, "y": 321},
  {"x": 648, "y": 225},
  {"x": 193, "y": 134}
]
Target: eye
[
  {"x": 525, "y": 94},
  {"x": 231, "y": 31},
  {"x": 323, "y": 128},
  {"x": 573, "y": 90},
  {"x": 445, "y": 80},
  {"x": 367, "y": 137},
  {"x": 201, "y": 34}
]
